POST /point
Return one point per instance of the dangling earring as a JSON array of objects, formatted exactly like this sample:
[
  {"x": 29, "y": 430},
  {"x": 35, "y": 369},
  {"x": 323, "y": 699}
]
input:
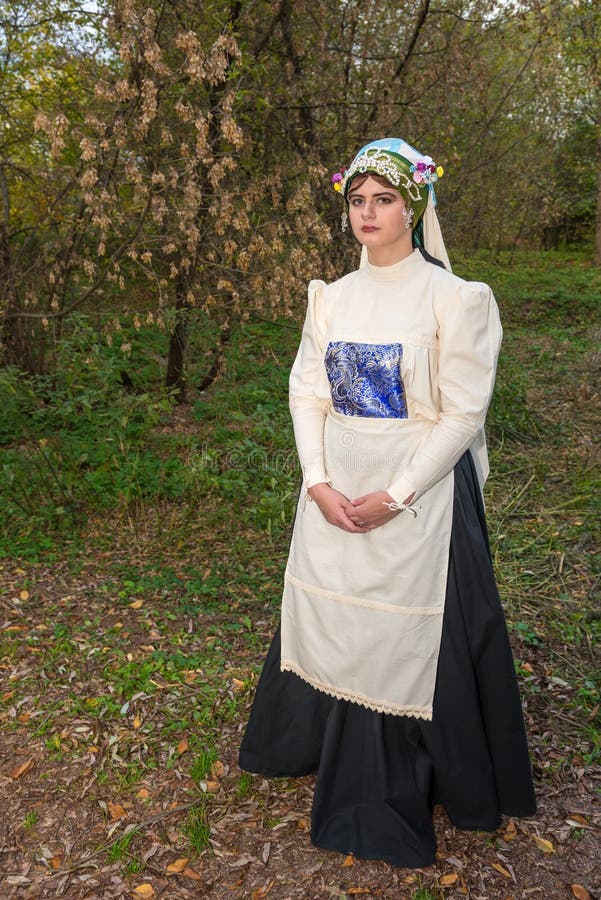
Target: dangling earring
[
  {"x": 344, "y": 220},
  {"x": 408, "y": 216}
]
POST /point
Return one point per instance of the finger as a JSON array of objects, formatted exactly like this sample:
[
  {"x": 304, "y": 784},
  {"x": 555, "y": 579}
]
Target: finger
[
  {"x": 354, "y": 526},
  {"x": 348, "y": 509},
  {"x": 363, "y": 511}
]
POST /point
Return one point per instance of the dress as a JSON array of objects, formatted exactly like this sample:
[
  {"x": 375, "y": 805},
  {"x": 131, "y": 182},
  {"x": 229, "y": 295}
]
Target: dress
[{"x": 392, "y": 675}]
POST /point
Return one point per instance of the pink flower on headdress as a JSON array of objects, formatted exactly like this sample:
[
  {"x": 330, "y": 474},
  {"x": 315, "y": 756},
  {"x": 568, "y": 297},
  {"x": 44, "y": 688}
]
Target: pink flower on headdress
[
  {"x": 337, "y": 179},
  {"x": 426, "y": 171}
]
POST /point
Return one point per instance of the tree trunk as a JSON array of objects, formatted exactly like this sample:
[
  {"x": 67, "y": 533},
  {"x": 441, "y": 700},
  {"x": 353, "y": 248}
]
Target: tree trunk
[
  {"x": 178, "y": 342},
  {"x": 6, "y": 299},
  {"x": 598, "y": 221},
  {"x": 20, "y": 344},
  {"x": 218, "y": 355}
]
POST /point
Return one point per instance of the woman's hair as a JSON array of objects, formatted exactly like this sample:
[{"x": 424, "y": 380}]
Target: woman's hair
[{"x": 359, "y": 180}]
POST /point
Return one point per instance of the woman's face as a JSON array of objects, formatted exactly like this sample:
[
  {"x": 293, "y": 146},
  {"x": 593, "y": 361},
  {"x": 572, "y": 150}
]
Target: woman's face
[{"x": 376, "y": 214}]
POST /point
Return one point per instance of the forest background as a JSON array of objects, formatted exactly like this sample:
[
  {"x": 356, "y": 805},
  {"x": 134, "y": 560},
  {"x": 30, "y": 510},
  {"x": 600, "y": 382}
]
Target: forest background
[
  {"x": 165, "y": 197},
  {"x": 170, "y": 161}
]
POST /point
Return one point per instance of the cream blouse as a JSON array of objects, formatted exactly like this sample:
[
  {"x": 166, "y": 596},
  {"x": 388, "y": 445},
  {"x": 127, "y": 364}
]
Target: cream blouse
[{"x": 451, "y": 335}]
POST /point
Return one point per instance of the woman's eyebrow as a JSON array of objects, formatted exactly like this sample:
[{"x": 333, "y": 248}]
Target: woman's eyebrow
[{"x": 379, "y": 194}]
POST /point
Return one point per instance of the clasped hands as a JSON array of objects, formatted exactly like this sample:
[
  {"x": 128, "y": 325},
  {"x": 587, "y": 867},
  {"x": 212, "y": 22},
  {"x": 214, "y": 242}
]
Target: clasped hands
[{"x": 358, "y": 516}]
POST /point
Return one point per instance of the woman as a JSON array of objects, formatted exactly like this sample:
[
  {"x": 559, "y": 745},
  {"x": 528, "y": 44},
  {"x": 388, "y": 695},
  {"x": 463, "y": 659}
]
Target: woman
[{"x": 392, "y": 677}]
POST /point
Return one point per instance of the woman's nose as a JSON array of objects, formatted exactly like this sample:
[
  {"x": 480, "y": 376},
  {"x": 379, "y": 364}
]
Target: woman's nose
[{"x": 368, "y": 209}]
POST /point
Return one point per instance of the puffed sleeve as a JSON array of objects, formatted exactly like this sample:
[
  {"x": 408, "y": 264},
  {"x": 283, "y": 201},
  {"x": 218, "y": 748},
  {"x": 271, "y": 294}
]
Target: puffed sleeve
[
  {"x": 308, "y": 406},
  {"x": 469, "y": 339}
]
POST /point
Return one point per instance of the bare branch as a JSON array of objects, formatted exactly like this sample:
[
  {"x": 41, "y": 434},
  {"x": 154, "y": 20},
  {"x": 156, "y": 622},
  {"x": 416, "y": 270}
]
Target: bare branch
[{"x": 402, "y": 63}]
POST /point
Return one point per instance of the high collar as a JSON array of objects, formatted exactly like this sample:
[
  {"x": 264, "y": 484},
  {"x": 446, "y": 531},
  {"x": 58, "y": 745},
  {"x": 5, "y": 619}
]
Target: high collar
[{"x": 398, "y": 270}]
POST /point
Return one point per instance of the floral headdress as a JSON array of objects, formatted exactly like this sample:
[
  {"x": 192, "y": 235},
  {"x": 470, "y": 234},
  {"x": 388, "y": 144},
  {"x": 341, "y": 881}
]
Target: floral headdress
[
  {"x": 405, "y": 168},
  {"x": 413, "y": 178}
]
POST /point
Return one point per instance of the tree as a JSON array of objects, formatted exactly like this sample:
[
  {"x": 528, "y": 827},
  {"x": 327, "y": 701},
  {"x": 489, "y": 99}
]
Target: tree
[
  {"x": 150, "y": 180},
  {"x": 580, "y": 33},
  {"x": 40, "y": 67}
]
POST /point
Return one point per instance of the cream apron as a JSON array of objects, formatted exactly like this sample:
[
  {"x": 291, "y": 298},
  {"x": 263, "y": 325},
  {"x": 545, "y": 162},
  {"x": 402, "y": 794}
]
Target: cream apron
[{"x": 351, "y": 623}]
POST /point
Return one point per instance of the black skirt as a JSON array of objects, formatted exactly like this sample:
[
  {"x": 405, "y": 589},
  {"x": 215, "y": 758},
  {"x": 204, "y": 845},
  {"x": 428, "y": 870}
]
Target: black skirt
[{"x": 379, "y": 776}]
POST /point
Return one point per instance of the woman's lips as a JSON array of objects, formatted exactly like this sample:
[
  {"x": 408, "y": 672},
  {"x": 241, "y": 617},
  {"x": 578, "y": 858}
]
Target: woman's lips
[{"x": 368, "y": 228}]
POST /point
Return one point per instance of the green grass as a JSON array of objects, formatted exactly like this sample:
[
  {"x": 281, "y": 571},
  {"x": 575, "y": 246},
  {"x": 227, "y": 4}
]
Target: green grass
[
  {"x": 201, "y": 767},
  {"x": 244, "y": 784},
  {"x": 31, "y": 819},
  {"x": 196, "y": 828},
  {"x": 120, "y": 849},
  {"x": 424, "y": 893}
]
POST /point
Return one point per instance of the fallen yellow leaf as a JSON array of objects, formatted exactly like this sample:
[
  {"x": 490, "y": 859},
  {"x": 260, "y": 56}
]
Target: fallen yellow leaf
[
  {"x": 501, "y": 869},
  {"x": 143, "y": 793},
  {"x": 448, "y": 880},
  {"x": 178, "y": 866},
  {"x": 117, "y": 811},
  {"x": 55, "y": 861},
  {"x": 137, "y": 722},
  {"x": 24, "y": 595},
  {"x": 237, "y": 684},
  {"x": 192, "y": 873},
  {"x": 182, "y": 746},
  {"x": 303, "y": 824},
  {"x": 510, "y": 832},
  {"x": 580, "y": 892},
  {"x": 543, "y": 844},
  {"x": 217, "y": 769},
  {"x": 260, "y": 893},
  {"x": 212, "y": 786},
  {"x": 22, "y": 769},
  {"x": 8, "y": 695},
  {"x": 136, "y": 604},
  {"x": 357, "y": 890},
  {"x": 144, "y": 890},
  {"x": 576, "y": 819},
  {"x": 348, "y": 861}
]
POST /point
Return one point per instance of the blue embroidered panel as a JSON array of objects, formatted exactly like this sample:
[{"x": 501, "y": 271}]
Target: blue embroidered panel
[{"x": 365, "y": 379}]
